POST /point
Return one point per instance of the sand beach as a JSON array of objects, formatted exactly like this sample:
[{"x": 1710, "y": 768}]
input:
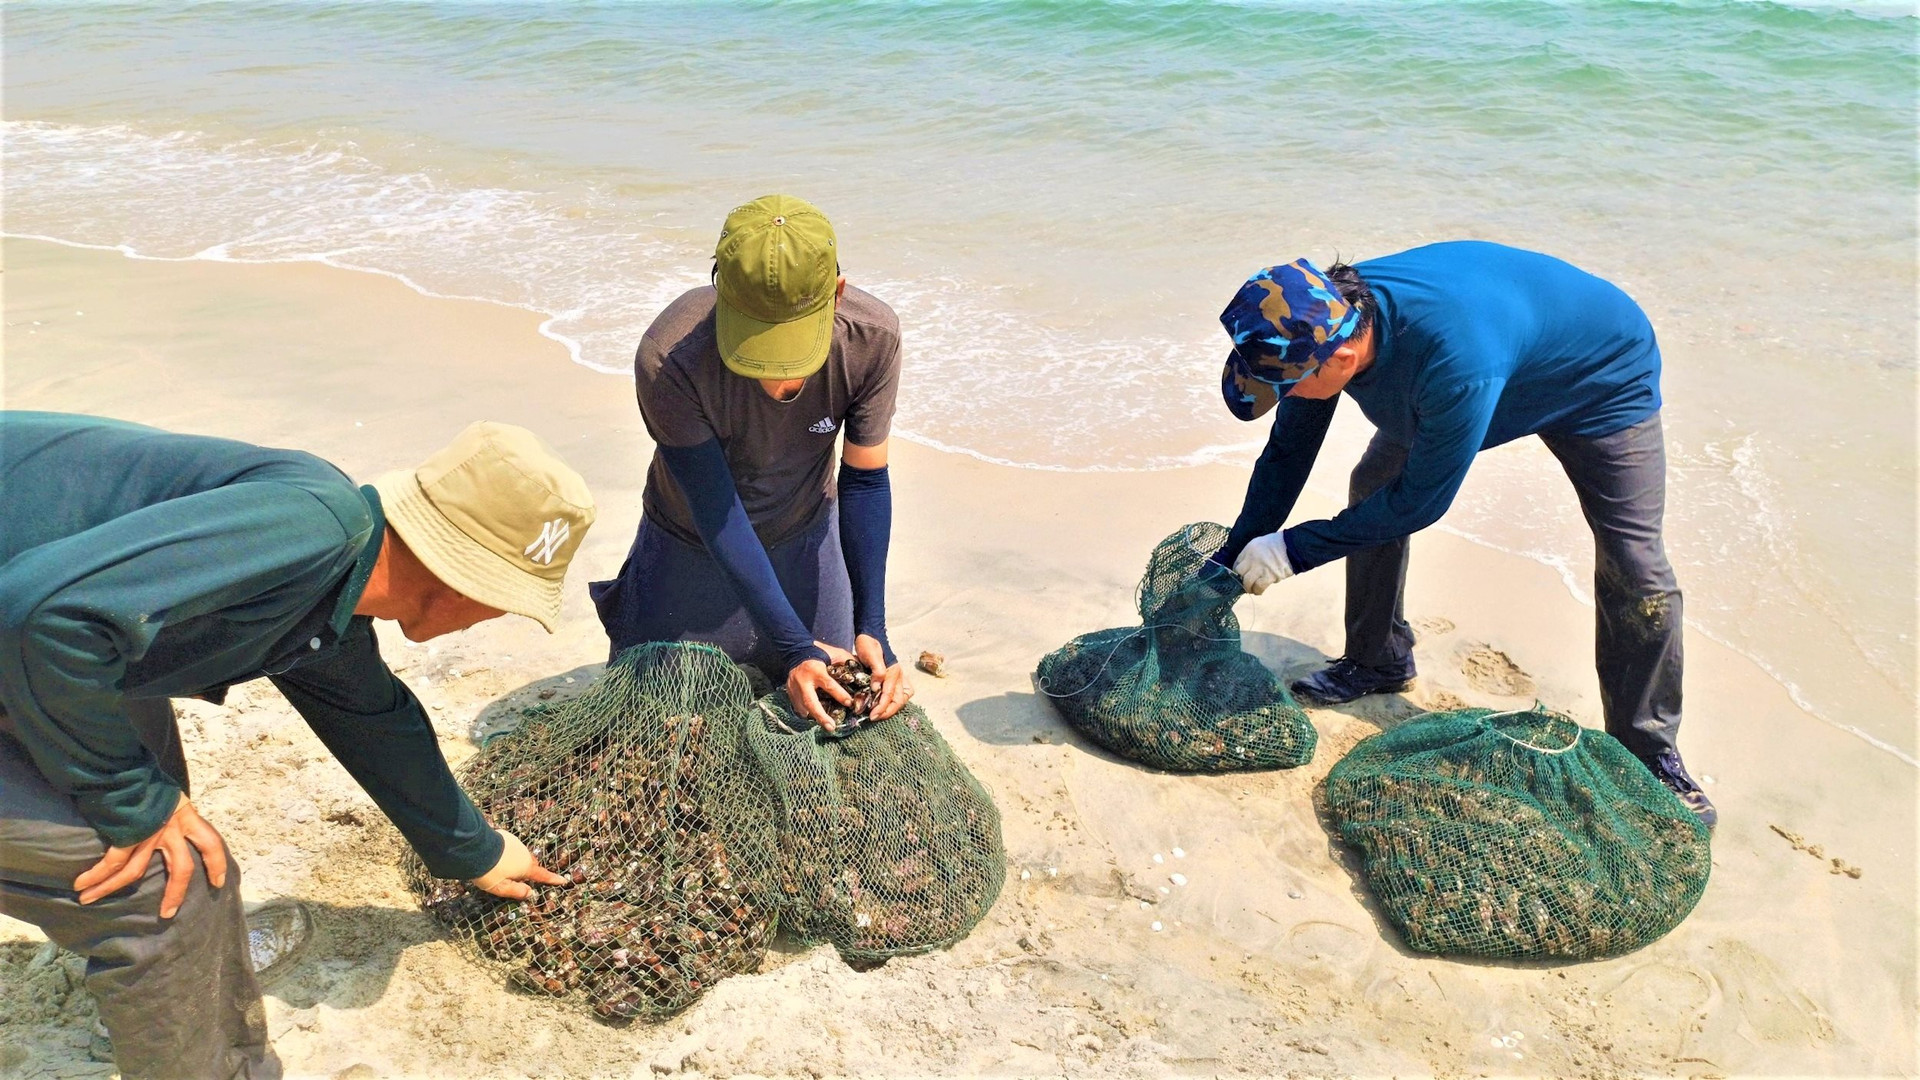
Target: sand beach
[{"x": 1268, "y": 960}]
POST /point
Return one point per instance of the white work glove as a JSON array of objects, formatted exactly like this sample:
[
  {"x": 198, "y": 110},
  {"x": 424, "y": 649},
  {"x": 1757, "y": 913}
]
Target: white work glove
[{"x": 1263, "y": 562}]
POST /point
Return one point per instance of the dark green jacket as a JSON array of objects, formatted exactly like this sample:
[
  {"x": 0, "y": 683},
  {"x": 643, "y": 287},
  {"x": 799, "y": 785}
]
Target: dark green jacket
[{"x": 135, "y": 563}]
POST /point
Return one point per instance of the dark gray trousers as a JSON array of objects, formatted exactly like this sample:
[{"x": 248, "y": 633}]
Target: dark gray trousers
[
  {"x": 1621, "y": 481},
  {"x": 177, "y": 995}
]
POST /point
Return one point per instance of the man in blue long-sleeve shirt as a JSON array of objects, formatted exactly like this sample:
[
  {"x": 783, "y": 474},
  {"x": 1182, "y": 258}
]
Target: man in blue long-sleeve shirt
[
  {"x": 751, "y": 540},
  {"x": 1450, "y": 349},
  {"x": 139, "y": 565}
]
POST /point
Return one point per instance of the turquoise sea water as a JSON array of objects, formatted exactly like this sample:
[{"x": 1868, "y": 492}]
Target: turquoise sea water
[{"x": 1059, "y": 197}]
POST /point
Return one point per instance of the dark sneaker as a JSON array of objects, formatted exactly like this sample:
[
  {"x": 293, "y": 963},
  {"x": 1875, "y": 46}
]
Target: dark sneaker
[
  {"x": 1666, "y": 767},
  {"x": 1344, "y": 680},
  {"x": 277, "y": 932}
]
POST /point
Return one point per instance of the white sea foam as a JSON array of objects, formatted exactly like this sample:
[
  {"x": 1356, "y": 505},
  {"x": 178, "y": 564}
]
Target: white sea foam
[
  {"x": 179, "y": 195},
  {"x": 1009, "y": 387},
  {"x": 989, "y": 375}
]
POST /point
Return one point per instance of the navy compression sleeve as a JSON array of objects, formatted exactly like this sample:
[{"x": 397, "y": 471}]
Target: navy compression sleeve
[
  {"x": 702, "y": 473},
  {"x": 866, "y": 524}
]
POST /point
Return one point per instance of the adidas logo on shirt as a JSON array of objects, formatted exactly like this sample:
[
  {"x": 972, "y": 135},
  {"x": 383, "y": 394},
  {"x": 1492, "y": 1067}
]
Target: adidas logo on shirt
[{"x": 823, "y": 426}]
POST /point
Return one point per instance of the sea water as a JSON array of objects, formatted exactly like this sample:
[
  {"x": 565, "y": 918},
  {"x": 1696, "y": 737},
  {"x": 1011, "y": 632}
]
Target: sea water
[{"x": 1059, "y": 197}]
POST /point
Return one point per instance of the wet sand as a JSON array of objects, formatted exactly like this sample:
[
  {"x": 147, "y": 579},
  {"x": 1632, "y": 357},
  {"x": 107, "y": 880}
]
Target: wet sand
[{"x": 1270, "y": 959}]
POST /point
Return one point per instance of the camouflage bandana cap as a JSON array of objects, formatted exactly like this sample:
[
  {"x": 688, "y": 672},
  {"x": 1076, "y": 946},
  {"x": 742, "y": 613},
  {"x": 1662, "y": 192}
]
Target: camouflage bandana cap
[{"x": 1284, "y": 322}]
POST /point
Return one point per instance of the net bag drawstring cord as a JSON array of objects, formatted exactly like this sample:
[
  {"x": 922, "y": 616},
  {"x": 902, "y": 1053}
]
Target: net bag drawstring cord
[{"x": 1537, "y": 709}]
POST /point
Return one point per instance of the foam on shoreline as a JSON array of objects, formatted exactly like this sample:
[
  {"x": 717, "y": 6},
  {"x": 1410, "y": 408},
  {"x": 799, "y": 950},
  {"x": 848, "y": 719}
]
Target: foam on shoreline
[
  {"x": 1232, "y": 456},
  {"x": 1274, "y": 955}
]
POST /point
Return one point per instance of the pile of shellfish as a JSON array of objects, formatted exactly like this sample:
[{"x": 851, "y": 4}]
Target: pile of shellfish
[
  {"x": 1176, "y": 702},
  {"x": 1520, "y": 852},
  {"x": 657, "y": 910},
  {"x": 690, "y": 824},
  {"x": 887, "y": 843},
  {"x": 857, "y": 680}
]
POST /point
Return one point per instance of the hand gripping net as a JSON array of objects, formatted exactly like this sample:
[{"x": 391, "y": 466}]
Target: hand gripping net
[
  {"x": 642, "y": 791},
  {"x": 1178, "y": 692},
  {"x": 1517, "y": 835},
  {"x": 888, "y": 845}
]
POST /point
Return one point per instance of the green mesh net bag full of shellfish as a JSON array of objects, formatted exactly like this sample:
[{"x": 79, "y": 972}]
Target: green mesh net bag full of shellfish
[
  {"x": 888, "y": 844},
  {"x": 639, "y": 789},
  {"x": 1517, "y": 835},
  {"x": 1178, "y": 692}
]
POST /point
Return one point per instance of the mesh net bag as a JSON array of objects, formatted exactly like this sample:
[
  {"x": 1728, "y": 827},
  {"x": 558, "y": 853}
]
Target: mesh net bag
[
  {"x": 1517, "y": 835},
  {"x": 1177, "y": 692},
  {"x": 888, "y": 844},
  {"x": 641, "y": 790}
]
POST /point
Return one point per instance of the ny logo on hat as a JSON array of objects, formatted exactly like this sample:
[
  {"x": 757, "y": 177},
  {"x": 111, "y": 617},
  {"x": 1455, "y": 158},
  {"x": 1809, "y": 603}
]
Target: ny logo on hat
[{"x": 552, "y": 535}]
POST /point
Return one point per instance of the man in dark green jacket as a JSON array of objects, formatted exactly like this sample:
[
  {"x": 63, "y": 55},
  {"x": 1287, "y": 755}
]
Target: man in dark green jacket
[{"x": 138, "y": 565}]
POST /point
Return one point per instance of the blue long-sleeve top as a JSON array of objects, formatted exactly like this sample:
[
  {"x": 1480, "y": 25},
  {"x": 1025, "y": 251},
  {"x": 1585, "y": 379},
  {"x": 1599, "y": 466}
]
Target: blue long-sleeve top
[
  {"x": 141, "y": 563},
  {"x": 1476, "y": 344}
]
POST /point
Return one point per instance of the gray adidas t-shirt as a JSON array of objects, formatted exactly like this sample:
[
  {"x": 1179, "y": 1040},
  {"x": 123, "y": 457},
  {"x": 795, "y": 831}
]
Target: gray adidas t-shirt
[{"x": 780, "y": 452}]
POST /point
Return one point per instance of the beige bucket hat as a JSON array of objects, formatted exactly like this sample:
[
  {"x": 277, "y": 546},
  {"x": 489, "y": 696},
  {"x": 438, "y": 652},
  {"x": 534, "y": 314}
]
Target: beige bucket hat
[{"x": 496, "y": 515}]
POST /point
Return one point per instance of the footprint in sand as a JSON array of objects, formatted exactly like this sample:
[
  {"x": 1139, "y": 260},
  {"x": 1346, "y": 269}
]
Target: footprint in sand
[
  {"x": 1661, "y": 989},
  {"x": 1491, "y": 671},
  {"x": 1427, "y": 626},
  {"x": 1331, "y": 943},
  {"x": 1770, "y": 1008},
  {"x": 1437, "y": 700}
]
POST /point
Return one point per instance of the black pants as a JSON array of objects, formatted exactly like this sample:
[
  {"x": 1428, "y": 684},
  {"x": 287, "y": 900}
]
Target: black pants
[
  {"x": 1621, "y": 480},
  {"x": 178, "y": 995}
]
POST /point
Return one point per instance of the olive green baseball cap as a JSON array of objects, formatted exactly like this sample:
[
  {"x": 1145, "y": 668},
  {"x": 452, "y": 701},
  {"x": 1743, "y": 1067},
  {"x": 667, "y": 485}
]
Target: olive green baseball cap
[{"x": 775, "y": 268}]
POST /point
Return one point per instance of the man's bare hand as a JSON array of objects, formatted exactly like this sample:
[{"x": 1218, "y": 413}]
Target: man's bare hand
[
  {"x": 805, "y": 682},
  {"x": 516, "y": 867},
  {"x": 184, "y": 833},
  {"x": 893, "y": 690}
]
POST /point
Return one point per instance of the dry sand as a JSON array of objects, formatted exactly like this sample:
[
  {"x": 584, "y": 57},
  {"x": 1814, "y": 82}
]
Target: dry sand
[{"x": 1270, "y": 959}]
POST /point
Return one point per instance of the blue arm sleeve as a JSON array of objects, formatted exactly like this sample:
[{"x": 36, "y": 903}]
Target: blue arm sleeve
[
  {"x": 1450, "y": 433},
  {"x": 866, "y": 524},
  {"x": 1299, "y": 427},
  {"x": 702, "y": 473}
]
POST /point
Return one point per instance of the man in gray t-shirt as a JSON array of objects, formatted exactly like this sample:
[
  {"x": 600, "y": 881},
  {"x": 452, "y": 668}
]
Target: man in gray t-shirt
[
  {"x": 750, "y": 539},
  {"x": 781, "y": 452}
]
